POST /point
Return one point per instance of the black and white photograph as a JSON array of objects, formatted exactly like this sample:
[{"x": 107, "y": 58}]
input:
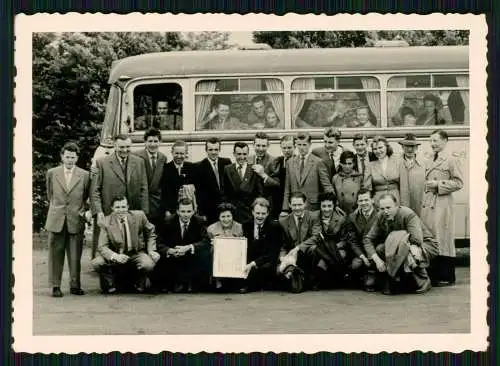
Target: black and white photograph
[{"x": 213, "y": 183}]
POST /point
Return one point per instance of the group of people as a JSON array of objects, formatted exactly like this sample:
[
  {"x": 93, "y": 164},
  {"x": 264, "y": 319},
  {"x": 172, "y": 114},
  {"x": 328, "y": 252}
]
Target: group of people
[{"x": 312, "y": 218}]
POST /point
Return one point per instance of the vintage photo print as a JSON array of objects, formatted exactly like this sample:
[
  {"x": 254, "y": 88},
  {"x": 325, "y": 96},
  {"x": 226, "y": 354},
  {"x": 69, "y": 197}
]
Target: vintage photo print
[{"x": 229, "y": 183}]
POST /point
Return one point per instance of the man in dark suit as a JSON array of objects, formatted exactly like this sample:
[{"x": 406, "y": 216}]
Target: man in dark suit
[
  {"x": 363, "y": 156},
  {"x": 358, "y": 223},
  {"x": 154, "y": 161},
  {"x": 127, "y": 249},
  {"x": 330, "y": 152},
  {"x": 241, "y": 184},
  {"x": 176, "y": 174},
  {"x": 67, "y": 192},
  {"x": 120, "y": 173},
  {"x": 278, "y": 166},
  {"x": 185, "y": 261},
  {"x": 209, "y": 179},
  {"x": 264, "y": 237}
]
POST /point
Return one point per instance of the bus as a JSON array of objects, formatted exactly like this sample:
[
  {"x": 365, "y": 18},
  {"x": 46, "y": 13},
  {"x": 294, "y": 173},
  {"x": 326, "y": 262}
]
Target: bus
[{"x": 232, "y": 94}]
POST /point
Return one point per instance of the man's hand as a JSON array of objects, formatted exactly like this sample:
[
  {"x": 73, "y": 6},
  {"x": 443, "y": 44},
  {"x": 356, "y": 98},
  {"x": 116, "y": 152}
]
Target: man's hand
[
  {"x": 182, "y": 249},
  {"x": 121, "y": 258},
  {"x": 283, "y": 214},
  {"x": 259, "y": 170},
  {"x": 248, "y": 268},
  {"x": 213, "y": 113},
  {"x": 365, "y": 260},
  {"x": 167, "y": 214},
  {"x": 431, "y": 185},
  {"x": 155, "y": 256},
  {"x": 173, "y": 252},
  {"x": 379, "y": 263},
  {"x": 100, "y": 219},
  {"x": 87, "y": 216},
  {"x": 322, "y": 264}
]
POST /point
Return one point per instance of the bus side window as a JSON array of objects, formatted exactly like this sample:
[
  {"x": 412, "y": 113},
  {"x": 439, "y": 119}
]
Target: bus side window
[
  {"x": 159, "y": 106},
  {"x": 448, "y": 105}
]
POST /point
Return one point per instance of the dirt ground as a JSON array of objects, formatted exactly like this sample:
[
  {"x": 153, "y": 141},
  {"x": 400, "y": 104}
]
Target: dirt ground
[{"x": 442, "y": 310}]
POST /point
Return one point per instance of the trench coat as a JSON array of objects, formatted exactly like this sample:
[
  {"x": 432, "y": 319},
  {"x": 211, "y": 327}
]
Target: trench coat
[
  {"x": 437, "y": 207},
  {"x": 411, "y": 184}
]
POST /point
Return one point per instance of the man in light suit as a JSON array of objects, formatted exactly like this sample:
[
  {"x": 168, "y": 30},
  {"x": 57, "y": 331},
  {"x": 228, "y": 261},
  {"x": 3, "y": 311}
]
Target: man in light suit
[
  {"x": 330, "y": 152},
  {"x": 127, "y": 249},
  {"x": 241, "y": 184},
  {"x": 120, "y": 173},
  {"x": 208, "y": 178},
  {"x": 67, "y": 192},
  {"x": 154, "y": 162},
  {"x": 306, "y": 173}
]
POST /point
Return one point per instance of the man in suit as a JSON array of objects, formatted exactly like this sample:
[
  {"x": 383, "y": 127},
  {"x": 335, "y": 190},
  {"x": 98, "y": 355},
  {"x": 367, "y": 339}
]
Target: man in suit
[
  {"x": 154, "y": 161},
  {"x": 209, "y": 178},
  {"x": 278, "y": 166},
  {"x": 241, "y": 184},
  {"x": 120, "y": 173},
  {"x": 127, "y": 249},
  {"x": 185, "y": 261},
  {"x": 401, "y": 248},
  {"x": 356, "y": 226},
  {"x": 264, "y": 237},
  {"x": 176, "y": 174},
  {"x": 330, "y": 152},
  {"x": 363, "y": 156},
  {"x": 306, "y": 173},
  {"x": 67, "y": 192},
  {"x": 297, "y": 228}
]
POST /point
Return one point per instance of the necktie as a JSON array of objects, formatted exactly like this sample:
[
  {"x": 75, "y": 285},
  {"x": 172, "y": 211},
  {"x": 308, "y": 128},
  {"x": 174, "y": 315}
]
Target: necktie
[
  {"x": 125, "y": 236},
  {"x": 258, "y": 160},
  {"x": 302, "y": 163},
  {"x": 435, "y": 156},
  {"x": 240, "y": 171},
  {"x": 153, "y": 161},
  {"x": 299, "y": 229},
  {"x": 259, "y": 232},
  {"x": 331, "y": 156},
  {"x": 362, "y": 160},
  {"x": 179, "y": 169},
  {"x": 183, "y": 230},
  {"x": 216, "y": 172}
]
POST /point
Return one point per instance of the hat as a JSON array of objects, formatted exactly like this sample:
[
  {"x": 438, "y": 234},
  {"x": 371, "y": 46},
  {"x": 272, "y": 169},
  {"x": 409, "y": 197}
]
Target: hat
[{"x": 409, "y": 140}]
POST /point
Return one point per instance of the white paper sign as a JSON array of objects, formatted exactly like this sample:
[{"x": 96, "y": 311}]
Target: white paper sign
[{"x": 230, "y": 257}]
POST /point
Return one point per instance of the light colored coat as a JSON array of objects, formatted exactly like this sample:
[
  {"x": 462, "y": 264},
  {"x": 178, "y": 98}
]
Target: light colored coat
[
  {"x": 66, "y": 203},
  {"x": 216, "y": 230},
  {"x": 437, "y": 208},
  {"x": 381, "y": 182},
  {"x": 314, "y": 180},
  {"x": 411, "y": 184}
]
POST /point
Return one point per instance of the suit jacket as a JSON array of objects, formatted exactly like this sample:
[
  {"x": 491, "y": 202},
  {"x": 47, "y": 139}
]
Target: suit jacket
[
  {"x": 196, "y": 234},
  {"x": 356, "y": 227},
  {"x": 314, "y": 180},
  {"x": 111, "y": 180},
  {"x": 171, "y": 182},
  {"x": 208, "y": 193},
  {"x": 264, "y": 250},
  {"x": 371, "y": 157},
  {"x": 154, "y": 182},
  {"x": 66, "y": 204},
  {"x": 294, "y": 236},
  {"x": 241, "y": 193},
  {"x": 111, "y": 237},
  {"x": 323, "y": 154},
  {"x": 278, "y": 167}
]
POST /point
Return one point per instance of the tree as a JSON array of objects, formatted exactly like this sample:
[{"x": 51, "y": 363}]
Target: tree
[{"x": 207, "y": 40}]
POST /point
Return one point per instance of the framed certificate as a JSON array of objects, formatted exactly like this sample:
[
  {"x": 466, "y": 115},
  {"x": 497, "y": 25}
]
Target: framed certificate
[{"x": 230, "y": 257}]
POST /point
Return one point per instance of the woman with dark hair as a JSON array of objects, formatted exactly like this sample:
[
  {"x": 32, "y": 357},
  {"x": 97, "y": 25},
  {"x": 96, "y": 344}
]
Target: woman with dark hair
[
  {"x": 347, "y": 182},
  {"x": 436, "y": 111},
  {"x": 382, "y": 175}
]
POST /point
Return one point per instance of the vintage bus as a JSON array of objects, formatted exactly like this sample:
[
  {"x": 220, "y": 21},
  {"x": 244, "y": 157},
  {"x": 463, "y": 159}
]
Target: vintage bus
[{"x": 233, "y": 94}]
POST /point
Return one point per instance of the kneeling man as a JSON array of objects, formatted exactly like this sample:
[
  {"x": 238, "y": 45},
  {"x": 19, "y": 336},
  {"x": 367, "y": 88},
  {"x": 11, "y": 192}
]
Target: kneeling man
[
  {"x": 124, "y": 258},
  {"x": 401, "y": 251}
]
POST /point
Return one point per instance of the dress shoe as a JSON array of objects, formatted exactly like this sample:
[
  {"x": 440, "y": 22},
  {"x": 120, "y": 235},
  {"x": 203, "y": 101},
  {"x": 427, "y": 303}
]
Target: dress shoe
[
  {"x": 56, "y": 292},
  {"x": 426, "y": 287},
  {"x": 76, "y": 291},
  {"x": 443, "y": 283},
  {"x": 243, "y": 290},
  {"x": 109, "y": 291},
  {"x": 386, "y": 290}
]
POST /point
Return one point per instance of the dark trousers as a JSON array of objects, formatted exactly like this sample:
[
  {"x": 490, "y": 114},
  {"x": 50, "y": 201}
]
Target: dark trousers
[
  {"x": 60, "y": 244},
  {"x": 260, "y": 278},
  {"x": 442, "y": 268},
  {"x": 95, "y": 236}
]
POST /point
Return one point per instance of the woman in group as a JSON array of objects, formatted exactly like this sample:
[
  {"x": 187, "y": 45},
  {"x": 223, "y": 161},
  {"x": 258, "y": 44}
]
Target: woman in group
[
  {"x": 347, "y": 182},
  {"x": 436, "y": 111},
  {"x": 225, "y": 227},
  {"x": 382, "y": 175}
]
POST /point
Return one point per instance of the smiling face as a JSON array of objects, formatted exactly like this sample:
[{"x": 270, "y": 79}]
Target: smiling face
[
  {"x": 331, "y": 143},
  {"x": 365, "y": 202},
  {"x": 437, "y": 143},
  {"x": 429, "y": 107},
  {"x": 261, "y": 146},
  {"x": 326, "y": 208},
  {"x": 162, "y": 108},
  {"x": 69, "y": 159},
  {"x": 241, "y": 154},
  {"x": 259, "y": 108},
  {"x": 410, "y": 151},
  {"x": 185, "y": 212},
  {"x": 223, "y": 111},
  {"x": 380, "y": 150},
  {"x": 120, "y": 208},
  {"x": 152, "y": 144},
  {"x": 213, "y": 150},
  {"x": 271, "y": 118},
  {"x": 298, "y": 206},
  {"x": 226, "y": 219},
  {"x": 179, "y": 154},
  {"x": 260, "y": 214},
  {"x": 303, "y": 146},
  {"x": 388, "y": 207},
  {"x": 122, "y": 147},
  {"x": 362, "y": 115},
  {"x": 360, "y": 146},
  {"x": 287, "y": 148}
]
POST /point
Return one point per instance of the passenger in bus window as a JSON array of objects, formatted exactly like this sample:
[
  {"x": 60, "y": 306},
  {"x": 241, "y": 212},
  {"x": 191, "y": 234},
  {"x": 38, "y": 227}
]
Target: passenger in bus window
[
  {"x": 409, "y": 119},
  {"x": 257, "y": 115},
  {"x": 362, "y": 118},
  {"x": 382, "y": 176},
  {"x": 337, "y": 119},
  {"x": 220, "y": 118},
  {"x": 436, "y": 111},
  {"x": 272, "y": 119}
]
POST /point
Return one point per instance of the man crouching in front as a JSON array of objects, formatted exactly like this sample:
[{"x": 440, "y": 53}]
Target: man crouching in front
[
  {"x": 124, "y": 260},
  {"x": 400, "y": 248}
]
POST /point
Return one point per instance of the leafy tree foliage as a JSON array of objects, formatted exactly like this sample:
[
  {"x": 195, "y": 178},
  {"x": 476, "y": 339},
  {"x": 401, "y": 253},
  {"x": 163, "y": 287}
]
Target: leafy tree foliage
[{"x": 70, "y": 72}]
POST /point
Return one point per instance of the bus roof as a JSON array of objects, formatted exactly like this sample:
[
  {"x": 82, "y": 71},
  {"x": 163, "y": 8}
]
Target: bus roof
[{"x": 254, "y": 62}]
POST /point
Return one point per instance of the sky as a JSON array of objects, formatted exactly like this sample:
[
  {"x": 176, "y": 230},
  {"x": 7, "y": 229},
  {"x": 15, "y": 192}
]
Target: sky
[{"x": 240, "y": 37}]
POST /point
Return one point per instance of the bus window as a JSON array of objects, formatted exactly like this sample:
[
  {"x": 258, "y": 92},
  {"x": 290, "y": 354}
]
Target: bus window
[
  {"x": 239, "y": 104},
  {"x": 158, "y": 105},
  {"x": 429, "y": 100},
  {"x": 339, "y": 101}
]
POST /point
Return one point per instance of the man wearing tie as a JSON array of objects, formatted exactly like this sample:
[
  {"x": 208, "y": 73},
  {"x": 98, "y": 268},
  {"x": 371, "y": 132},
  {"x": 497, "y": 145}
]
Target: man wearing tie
[
  {"x": 306, "y": 173},
  {"x": 127, "y": 249},
  {"x": 241, "y": 184},
  {"x": 363, "y": 156},
  {"x": 209, "y": 175},
  {"x": 154, "y": 161},
  {"x": 264, "y": 241},
  {"x": 67, "y": 192},
  {"x": 330, "y": 152},
  {"x": 185, "y": 261},
  {"x": 120, "y": 173},
  {"x": 278, "y": 166}
]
